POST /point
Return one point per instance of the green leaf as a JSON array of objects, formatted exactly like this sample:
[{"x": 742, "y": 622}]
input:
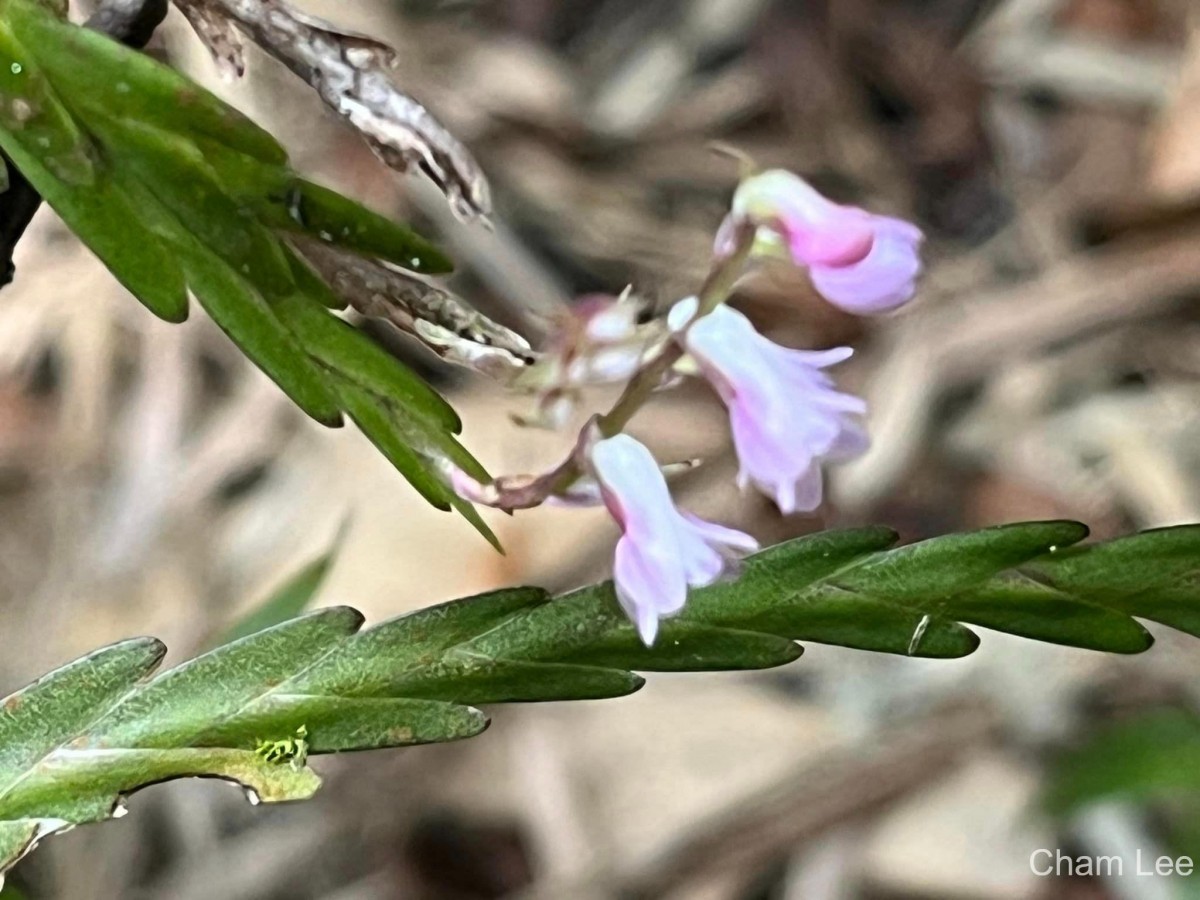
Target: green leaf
[
  {"x": 103, "y": 76},
  {"x": 73, "y": 744},
  {"x": 33, "y": 120},
  {"x": 1150, "y": 761},
  {"x": 814, "y": 605},
  {"x": 1154, "y": 574},
  {"x": 173, "y": 169},
  {"x": 288, "y": 601},
  {"x": 176, "y": 191},
  {"x": 1152, "y": 757},
  {"x": 125, "y": 243},
  {"x": 32, "y": 109},
  {"x": 289, "y": 203},
  {"x": 355, "y": 358},
  {"x": 52, "y": 712}
]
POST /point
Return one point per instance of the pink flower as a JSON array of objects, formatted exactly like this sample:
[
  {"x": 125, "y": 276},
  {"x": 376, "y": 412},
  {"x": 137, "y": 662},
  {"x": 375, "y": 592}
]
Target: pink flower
[
  {"x": 858, "y": 261},
  {"x": 662, "y": 550},
  {"x": 600, "y": 340},
  {"x": 785, "y": 413}
]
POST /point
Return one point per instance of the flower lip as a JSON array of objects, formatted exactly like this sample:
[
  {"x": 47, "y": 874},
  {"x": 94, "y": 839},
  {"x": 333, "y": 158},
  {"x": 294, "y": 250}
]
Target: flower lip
[{"x": 886, "y": 278}]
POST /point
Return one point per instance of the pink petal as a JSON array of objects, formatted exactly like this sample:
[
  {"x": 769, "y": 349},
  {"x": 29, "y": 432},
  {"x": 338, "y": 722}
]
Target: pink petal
[
  {"x": 720, "y": 535},
  {"x": 835, "y": 240},
  {"x": 816, "y": 230},
  {"x": 785, "y": 413},
  {"x": 662, "y": 551},
  {"x": 884, "y": 280},
  {"x": 649, "y": 583}
]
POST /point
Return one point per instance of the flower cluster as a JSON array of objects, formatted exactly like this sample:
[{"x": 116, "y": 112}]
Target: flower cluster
[
  {"x": 602, "y": 340},
  {"x": 786, "y": 415}
]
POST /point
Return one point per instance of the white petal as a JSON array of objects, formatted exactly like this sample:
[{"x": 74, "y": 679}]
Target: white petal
[
  {"x": 649, "y": 579},
  {"x": 808, "y": 489},
  {"x": 721, "y": 535},
  {"x": 682, "y": 313},
  {"x": 647, "y": 626}
]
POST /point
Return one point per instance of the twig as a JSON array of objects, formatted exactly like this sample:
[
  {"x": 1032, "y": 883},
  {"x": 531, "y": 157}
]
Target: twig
[
  {"x": 132, "y": 22},
  {"x": 17, "y": 206},
  {"x": 350, "y": 73}
]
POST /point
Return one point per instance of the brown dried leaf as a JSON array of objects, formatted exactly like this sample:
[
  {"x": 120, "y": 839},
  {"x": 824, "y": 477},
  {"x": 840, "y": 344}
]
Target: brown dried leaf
[
  {"x": 350, "y": 73},
  {"x": 443, "y": 322},
  {"x": 219, "y": 35}
]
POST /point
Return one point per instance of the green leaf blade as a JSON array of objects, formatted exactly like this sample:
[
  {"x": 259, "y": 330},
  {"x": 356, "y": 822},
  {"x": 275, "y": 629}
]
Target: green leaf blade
[
  {"x": 934, "y": 570},
  {"x": 1030, "y": 610},
  {"x": 179, "y": 704},
  {"x": 286, "y": 602},
  {"x": 104, "y": 76},
  {"x": 340, "y": 724},
  {"x": 55, "y": 709},
  {"x": 252, "y": 711},
  {"x": 1155, "y": 756}
]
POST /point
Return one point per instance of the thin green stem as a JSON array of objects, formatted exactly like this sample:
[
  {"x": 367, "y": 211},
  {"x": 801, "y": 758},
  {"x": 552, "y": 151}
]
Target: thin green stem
[
  {"x": 524, "y": 493},
  {"x": 716, "y": 290}
]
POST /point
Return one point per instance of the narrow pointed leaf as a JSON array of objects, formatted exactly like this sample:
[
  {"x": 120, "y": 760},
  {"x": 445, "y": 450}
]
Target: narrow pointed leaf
[
  {"x": 253, "y": 711},
  {"x": 177, "y": 192},
  {"x": 286, "y": 602}
]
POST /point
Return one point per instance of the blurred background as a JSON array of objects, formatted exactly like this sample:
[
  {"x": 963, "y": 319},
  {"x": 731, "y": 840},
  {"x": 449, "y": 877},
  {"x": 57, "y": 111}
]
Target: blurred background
[{"x": 152, "y": 482}]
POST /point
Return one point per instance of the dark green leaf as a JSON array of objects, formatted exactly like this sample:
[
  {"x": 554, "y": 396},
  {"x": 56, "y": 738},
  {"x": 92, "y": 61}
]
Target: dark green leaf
[
  {"x": 74, "y": 743},
  {"x": 176, "y": 191},
  {"x": 103, "y": 76},
  {"x": 1151, "y": 757}
]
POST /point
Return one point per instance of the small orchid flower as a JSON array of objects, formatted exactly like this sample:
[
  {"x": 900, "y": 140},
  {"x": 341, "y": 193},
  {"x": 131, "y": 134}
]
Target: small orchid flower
[
  {"x": 858, "y": 261},
  {"x": 601, "y": 340},
  {"x": 662, "y": 550},
  {"x": 785, "y": 413}
]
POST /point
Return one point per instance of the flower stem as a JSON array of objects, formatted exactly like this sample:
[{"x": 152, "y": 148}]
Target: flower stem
[
  {"x": 525, "y": 492},
  {"x": 715, "y": 291}
]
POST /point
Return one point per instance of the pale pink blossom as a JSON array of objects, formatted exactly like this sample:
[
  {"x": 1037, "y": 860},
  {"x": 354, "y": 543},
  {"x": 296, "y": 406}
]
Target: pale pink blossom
[
  {"x": 600, "y": 340},
  {"x": 785, "y": 413},
  {"x": 858, "y": 261},
  {"x": 662, "y": 551}
]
